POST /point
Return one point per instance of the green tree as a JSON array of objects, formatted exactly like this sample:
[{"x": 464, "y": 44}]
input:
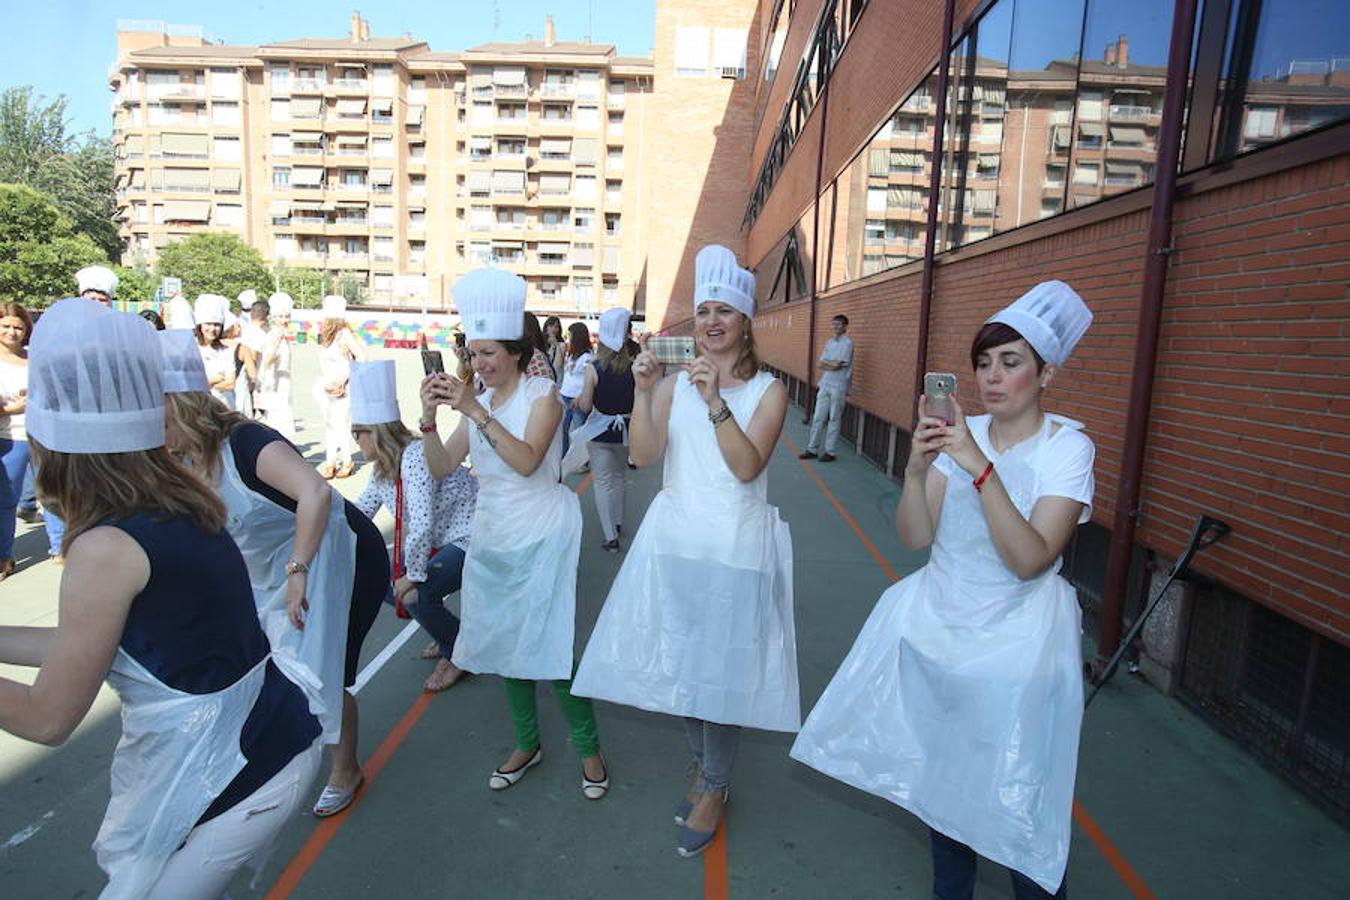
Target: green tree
[
  {"x": 306, "y": 286},
  {"x": 39, "y": 249},
  {"x": 135, "y": 283},
  {"x": 215, "y": 263},
  {"x": 75, "y": 171}
]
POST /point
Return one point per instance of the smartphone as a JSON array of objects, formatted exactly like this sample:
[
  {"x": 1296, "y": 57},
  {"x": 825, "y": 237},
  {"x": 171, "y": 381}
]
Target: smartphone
[
  {"x": 938, "y": 388},
  {"x": 432, "y": 362},
  {"x": 671, "y": 351},
  {"x": 460, "y": 340}
]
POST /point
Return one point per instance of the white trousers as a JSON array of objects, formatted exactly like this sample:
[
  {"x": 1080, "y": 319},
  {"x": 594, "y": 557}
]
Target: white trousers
[
  {"x": 336, "y": 413},
  {"x": 609, "y": 468},
  {"x": 216, "y": 850},
  {"x": 829, "y": 406},
  {"x": 278, "y": 412}
]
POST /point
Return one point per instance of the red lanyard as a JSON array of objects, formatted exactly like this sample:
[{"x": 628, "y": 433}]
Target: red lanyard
[{"x": 396, "y": 570}]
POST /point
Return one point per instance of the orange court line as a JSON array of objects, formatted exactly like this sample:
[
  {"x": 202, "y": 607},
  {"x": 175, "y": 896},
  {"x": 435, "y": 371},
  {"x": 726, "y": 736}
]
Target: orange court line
[
  {"x": 715, "y": 882},
  {"x": 324, "y": 832},
  {"x": 1127, "y": 874}
]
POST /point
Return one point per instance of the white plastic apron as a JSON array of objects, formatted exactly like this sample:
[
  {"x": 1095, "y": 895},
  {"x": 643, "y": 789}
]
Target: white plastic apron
[
  {"x": 596, "y": 424},
  {"x": 962, "y": 697},
  {"x": 313, "y": 657},
  {"x": 699, "y": 620},
  {"x": 273, "y": 396},
  {"x": 518, "y": 597},
  {"x": 177, "y": 754},
  {"x": 219, "y": 361}
]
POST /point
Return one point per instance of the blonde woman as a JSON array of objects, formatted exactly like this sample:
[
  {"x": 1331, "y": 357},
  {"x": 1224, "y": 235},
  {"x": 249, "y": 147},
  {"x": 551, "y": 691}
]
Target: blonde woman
[
  {"x": 698, "y": 623},
  {"x": 318, "y": 565},
  {"x": 338, "y": 349},
  {"x": 518, "y": 598},
  {"x": 273, "y": 398},
  {"x": 433, "y": 516},
  {"x": 217, "y": 743},
  {"x": 607, "y": 399}
]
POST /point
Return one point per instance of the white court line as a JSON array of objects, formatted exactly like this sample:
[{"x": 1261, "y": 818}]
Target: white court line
[{"x": 386, "y": 654}]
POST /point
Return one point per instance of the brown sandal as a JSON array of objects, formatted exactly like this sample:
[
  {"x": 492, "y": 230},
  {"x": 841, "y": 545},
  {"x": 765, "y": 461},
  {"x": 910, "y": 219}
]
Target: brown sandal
[
  {"x": 6, "y": 568},
  {"x": 346, "y": 470},
  {"x": 444, "y": 677},
  {"x": 327, "y": 470}
]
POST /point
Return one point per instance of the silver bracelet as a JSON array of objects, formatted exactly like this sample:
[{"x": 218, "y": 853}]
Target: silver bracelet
[{"x": 717, "y": 418}]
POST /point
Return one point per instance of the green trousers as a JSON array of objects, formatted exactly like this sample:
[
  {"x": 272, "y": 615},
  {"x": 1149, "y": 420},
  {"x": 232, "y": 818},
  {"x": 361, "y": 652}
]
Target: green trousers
[{"x": 578, "y": 711}]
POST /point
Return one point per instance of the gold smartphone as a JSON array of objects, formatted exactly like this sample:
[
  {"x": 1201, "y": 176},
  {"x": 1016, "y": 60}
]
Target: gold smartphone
[{"x": 670, "y": 350}]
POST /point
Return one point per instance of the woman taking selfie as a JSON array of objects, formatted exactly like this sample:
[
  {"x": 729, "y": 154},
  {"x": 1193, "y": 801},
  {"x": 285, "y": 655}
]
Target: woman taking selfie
[
  {"x": 432, "y": 516},
  {"x": 217, "y": 744},
  {"x": 318, "y": 566},
  {"x": 969, "y": 672},
  {"x": 698, "y": 623},
  {"x": 518, "y": 599}
]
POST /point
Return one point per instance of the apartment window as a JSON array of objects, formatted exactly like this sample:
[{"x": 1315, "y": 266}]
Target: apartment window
[
  {"x": 160, "y": 114},
  {"x": 281, "y": 110},
  {"x": 555, "y": 148},
  {"x": 583, "y": 220},
  {"x": 480, "y": 217},
  {"x": 383, "y": 83},
  {"x": 557, "y": 112},
  {"x": 226, "y": 149},
  {"x": 174, "y": 145},
  {"x": 615, "y": 124},
  {"x": 613, "y": 191},
  {"x": 510, "y": 217},
  {"x": 729, "y": 50},
  {"x": 482, "y": 115},
  {"x": 585, "y": 188},
  {"x": 354, "y": 178},
  {"x": 554, "y": 218},
  {"x": 382, "y": 248},
  {"x": 382, "y": 110},
  {"x": 230, "y": 215},
  {"x": 226, "y": 181},
  {"x": 588, "y": 117},
  {"x": 1086, "y": 173},
  {"x": 417, "y": 251},
  {"x": 556, "y": 182},
  {"x": 552, "y": 254},
  {"x": 417, "y": 88},
  {"x": 281, "y": 176},
  {"x": 614, "y": 158},
  {"x": 382, "y": 147},
  {"x": 223, "y": 113},
  {"x": 691, "y": 52},
  {"x": 280, "y": 77},
  {"x": 583, "y": 292},
  {"x": 612, "y": 224},
  {"x": 588, "y": 84},
  {"x": 511, "y": 146},
  {"x": 510, "y": 112},
  {"x": 382, "y": 216},
  {"x": 281, "y": 145},
  {"x": 417, "y": 220}
]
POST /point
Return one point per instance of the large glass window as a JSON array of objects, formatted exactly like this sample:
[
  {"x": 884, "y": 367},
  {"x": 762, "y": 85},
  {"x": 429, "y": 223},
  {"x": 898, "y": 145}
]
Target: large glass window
[{"x": 1286, "y": 70}]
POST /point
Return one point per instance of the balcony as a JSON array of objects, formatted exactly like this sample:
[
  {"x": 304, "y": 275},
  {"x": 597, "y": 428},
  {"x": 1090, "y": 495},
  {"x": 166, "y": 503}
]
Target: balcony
[
  {"x": 558, "y": 90},
  {"x": 1124, "y": 112},
  {"x": 307, "y": 86},
  {"x": 616, "y": 101},
  {"x": 352, "y": 85}
]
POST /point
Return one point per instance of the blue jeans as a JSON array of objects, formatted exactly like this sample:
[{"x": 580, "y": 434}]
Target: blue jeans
[
  {"x": 13, "y": 466},
  {"x": 954, "y": 874},
  {"x": 56, "y": 531},
  {"x": 571, "y": 414},
  {"x": 713, "y": 747},
  {"x": 443, "y": 577}
]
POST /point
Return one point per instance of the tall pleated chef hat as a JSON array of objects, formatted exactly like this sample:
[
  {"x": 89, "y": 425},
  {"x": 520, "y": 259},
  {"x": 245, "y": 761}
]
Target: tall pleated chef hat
[
  {"x": 178, "y": 313},
  {"x": 1052, "y": 318},
  {"x": 183, "y": 370},
  {"x": 334, "y": 306},
  {"x": 247, "y": 299},
  {"x": 280, "y": 304},
  {"x": 96, "y": 278},
  {"x": 614, "y": 328},
  {"x": 374, "y": 392},
  {"x": 95, "y": 382},
  {"x": 491, "y": 305},
  {"x": 210, "y": 308},
  {"x": 718, "y": 277}
]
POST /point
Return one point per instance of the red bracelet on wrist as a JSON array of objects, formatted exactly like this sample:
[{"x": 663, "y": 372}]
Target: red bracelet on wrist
[
  {"x": 427, "y": 428},
  {"x": 984, "y": 476}
]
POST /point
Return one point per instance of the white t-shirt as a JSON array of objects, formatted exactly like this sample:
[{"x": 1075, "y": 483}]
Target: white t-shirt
[
  {"x": 12, "y": 380},
  {"x": 574, "y": 374}
]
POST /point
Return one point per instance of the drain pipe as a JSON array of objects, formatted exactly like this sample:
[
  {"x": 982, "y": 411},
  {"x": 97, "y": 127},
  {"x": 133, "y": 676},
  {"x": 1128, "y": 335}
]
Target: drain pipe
[
  {"x": 1146, "y": 340},
  {"x": 808, "y": 406},
  {"x": 934, "y": 191}
]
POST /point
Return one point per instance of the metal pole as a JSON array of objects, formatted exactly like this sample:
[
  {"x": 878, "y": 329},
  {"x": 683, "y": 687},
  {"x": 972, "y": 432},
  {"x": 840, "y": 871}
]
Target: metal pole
[
  {"x": 1146, "y": 340},
  {"x": 934, "y": 191}
]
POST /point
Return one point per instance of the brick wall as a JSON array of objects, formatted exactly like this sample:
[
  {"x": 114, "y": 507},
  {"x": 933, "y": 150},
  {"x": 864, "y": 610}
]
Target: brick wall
[{"x": 1250, "y": 410}]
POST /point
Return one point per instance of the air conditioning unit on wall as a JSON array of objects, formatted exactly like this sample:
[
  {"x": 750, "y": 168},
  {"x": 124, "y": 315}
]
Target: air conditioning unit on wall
[{"x": 731, "y": 72}]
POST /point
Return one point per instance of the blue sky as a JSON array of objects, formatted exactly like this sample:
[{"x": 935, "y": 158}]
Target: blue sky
[{"x": 66, "y": 46}]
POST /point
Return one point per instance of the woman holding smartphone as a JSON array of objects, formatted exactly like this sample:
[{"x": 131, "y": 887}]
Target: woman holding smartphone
[
  {"x": 579, "y": 356},
  {"x": 606, "y": 398},
  {"x": 518, "y": 597},
  {"x": 217, "y": 744},
  {"x": 962, "y": 697},
  {"x": 698, "y": 623}
]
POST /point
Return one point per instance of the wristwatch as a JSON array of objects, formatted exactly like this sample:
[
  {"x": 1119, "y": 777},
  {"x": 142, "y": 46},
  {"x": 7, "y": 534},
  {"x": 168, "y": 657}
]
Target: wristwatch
[{"x": 296, "y": 567}]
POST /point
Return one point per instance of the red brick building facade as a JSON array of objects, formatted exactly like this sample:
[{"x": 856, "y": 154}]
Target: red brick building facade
[{"x": 1056, "y": 118}]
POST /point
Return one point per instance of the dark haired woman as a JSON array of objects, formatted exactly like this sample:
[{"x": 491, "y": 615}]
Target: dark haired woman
[
  {"x": 15, "y": 326},
  {"x": 541, "y": 364},
  {"x": 433, "y": 516},
  {"x": 578, "y": 357},
  {"x": 518, "y": 598},
  {"x": 217, "y": 743},
  {"x": 318, "y": 566},
  {"x": 606, "y": 398},
  {"x": 556, "y": 345},
  {"x": 698, "y": 623},
  {"x": 962, "y": 697},
  {"x": 210, "y": 312}
]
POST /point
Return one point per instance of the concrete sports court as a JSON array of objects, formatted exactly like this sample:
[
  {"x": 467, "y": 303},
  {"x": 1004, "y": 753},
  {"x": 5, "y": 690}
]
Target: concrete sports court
[{"x": 1166, "y": 807}]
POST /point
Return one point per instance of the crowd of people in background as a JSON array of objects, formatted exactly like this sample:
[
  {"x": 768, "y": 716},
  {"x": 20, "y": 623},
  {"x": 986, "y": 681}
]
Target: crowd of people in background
[{"x": 218, "y": 581}]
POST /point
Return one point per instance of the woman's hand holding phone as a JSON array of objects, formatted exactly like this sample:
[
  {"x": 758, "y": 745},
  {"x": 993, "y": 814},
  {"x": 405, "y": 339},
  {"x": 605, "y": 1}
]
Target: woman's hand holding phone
[
  {"x": 930, "y": 438},
  {"x": 646, "y": 368}
]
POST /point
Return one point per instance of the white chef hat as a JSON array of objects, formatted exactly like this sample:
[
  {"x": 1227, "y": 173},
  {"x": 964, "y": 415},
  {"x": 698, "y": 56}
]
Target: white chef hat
[
  {"x": 374, "y": 387},
  {"x": 1052, "y": 318},
  {"x": 614, "y": 328},
  {"x": 247, "y": 299},
  {"x": 96, "y": 278},
  {"x": 491, "y": 303},
  {"x": 280, "y": 304},
  {"x": 183, "y": 370},
  {"x": 334, "y": 306},
  {"x": 718, "y": 277},
  {"x": 94, "y": 380},
  {"x": 210, "y": 308},
  {"x": 178, "y": 313}
]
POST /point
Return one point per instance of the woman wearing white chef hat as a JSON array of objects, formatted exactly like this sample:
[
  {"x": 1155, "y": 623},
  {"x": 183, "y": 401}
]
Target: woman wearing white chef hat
[
  {"x": 338, "y": 349},
  {"x": 210, "y": 312}
]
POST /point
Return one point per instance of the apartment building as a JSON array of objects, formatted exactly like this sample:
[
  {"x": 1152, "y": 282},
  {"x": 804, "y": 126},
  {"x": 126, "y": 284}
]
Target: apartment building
[
  {"x": 1213, "y": 378},
  {"x": 391, "y": 167}
]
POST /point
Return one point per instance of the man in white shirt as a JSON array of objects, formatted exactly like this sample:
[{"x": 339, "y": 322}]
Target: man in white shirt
[{"x": 836, "y": 362}]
